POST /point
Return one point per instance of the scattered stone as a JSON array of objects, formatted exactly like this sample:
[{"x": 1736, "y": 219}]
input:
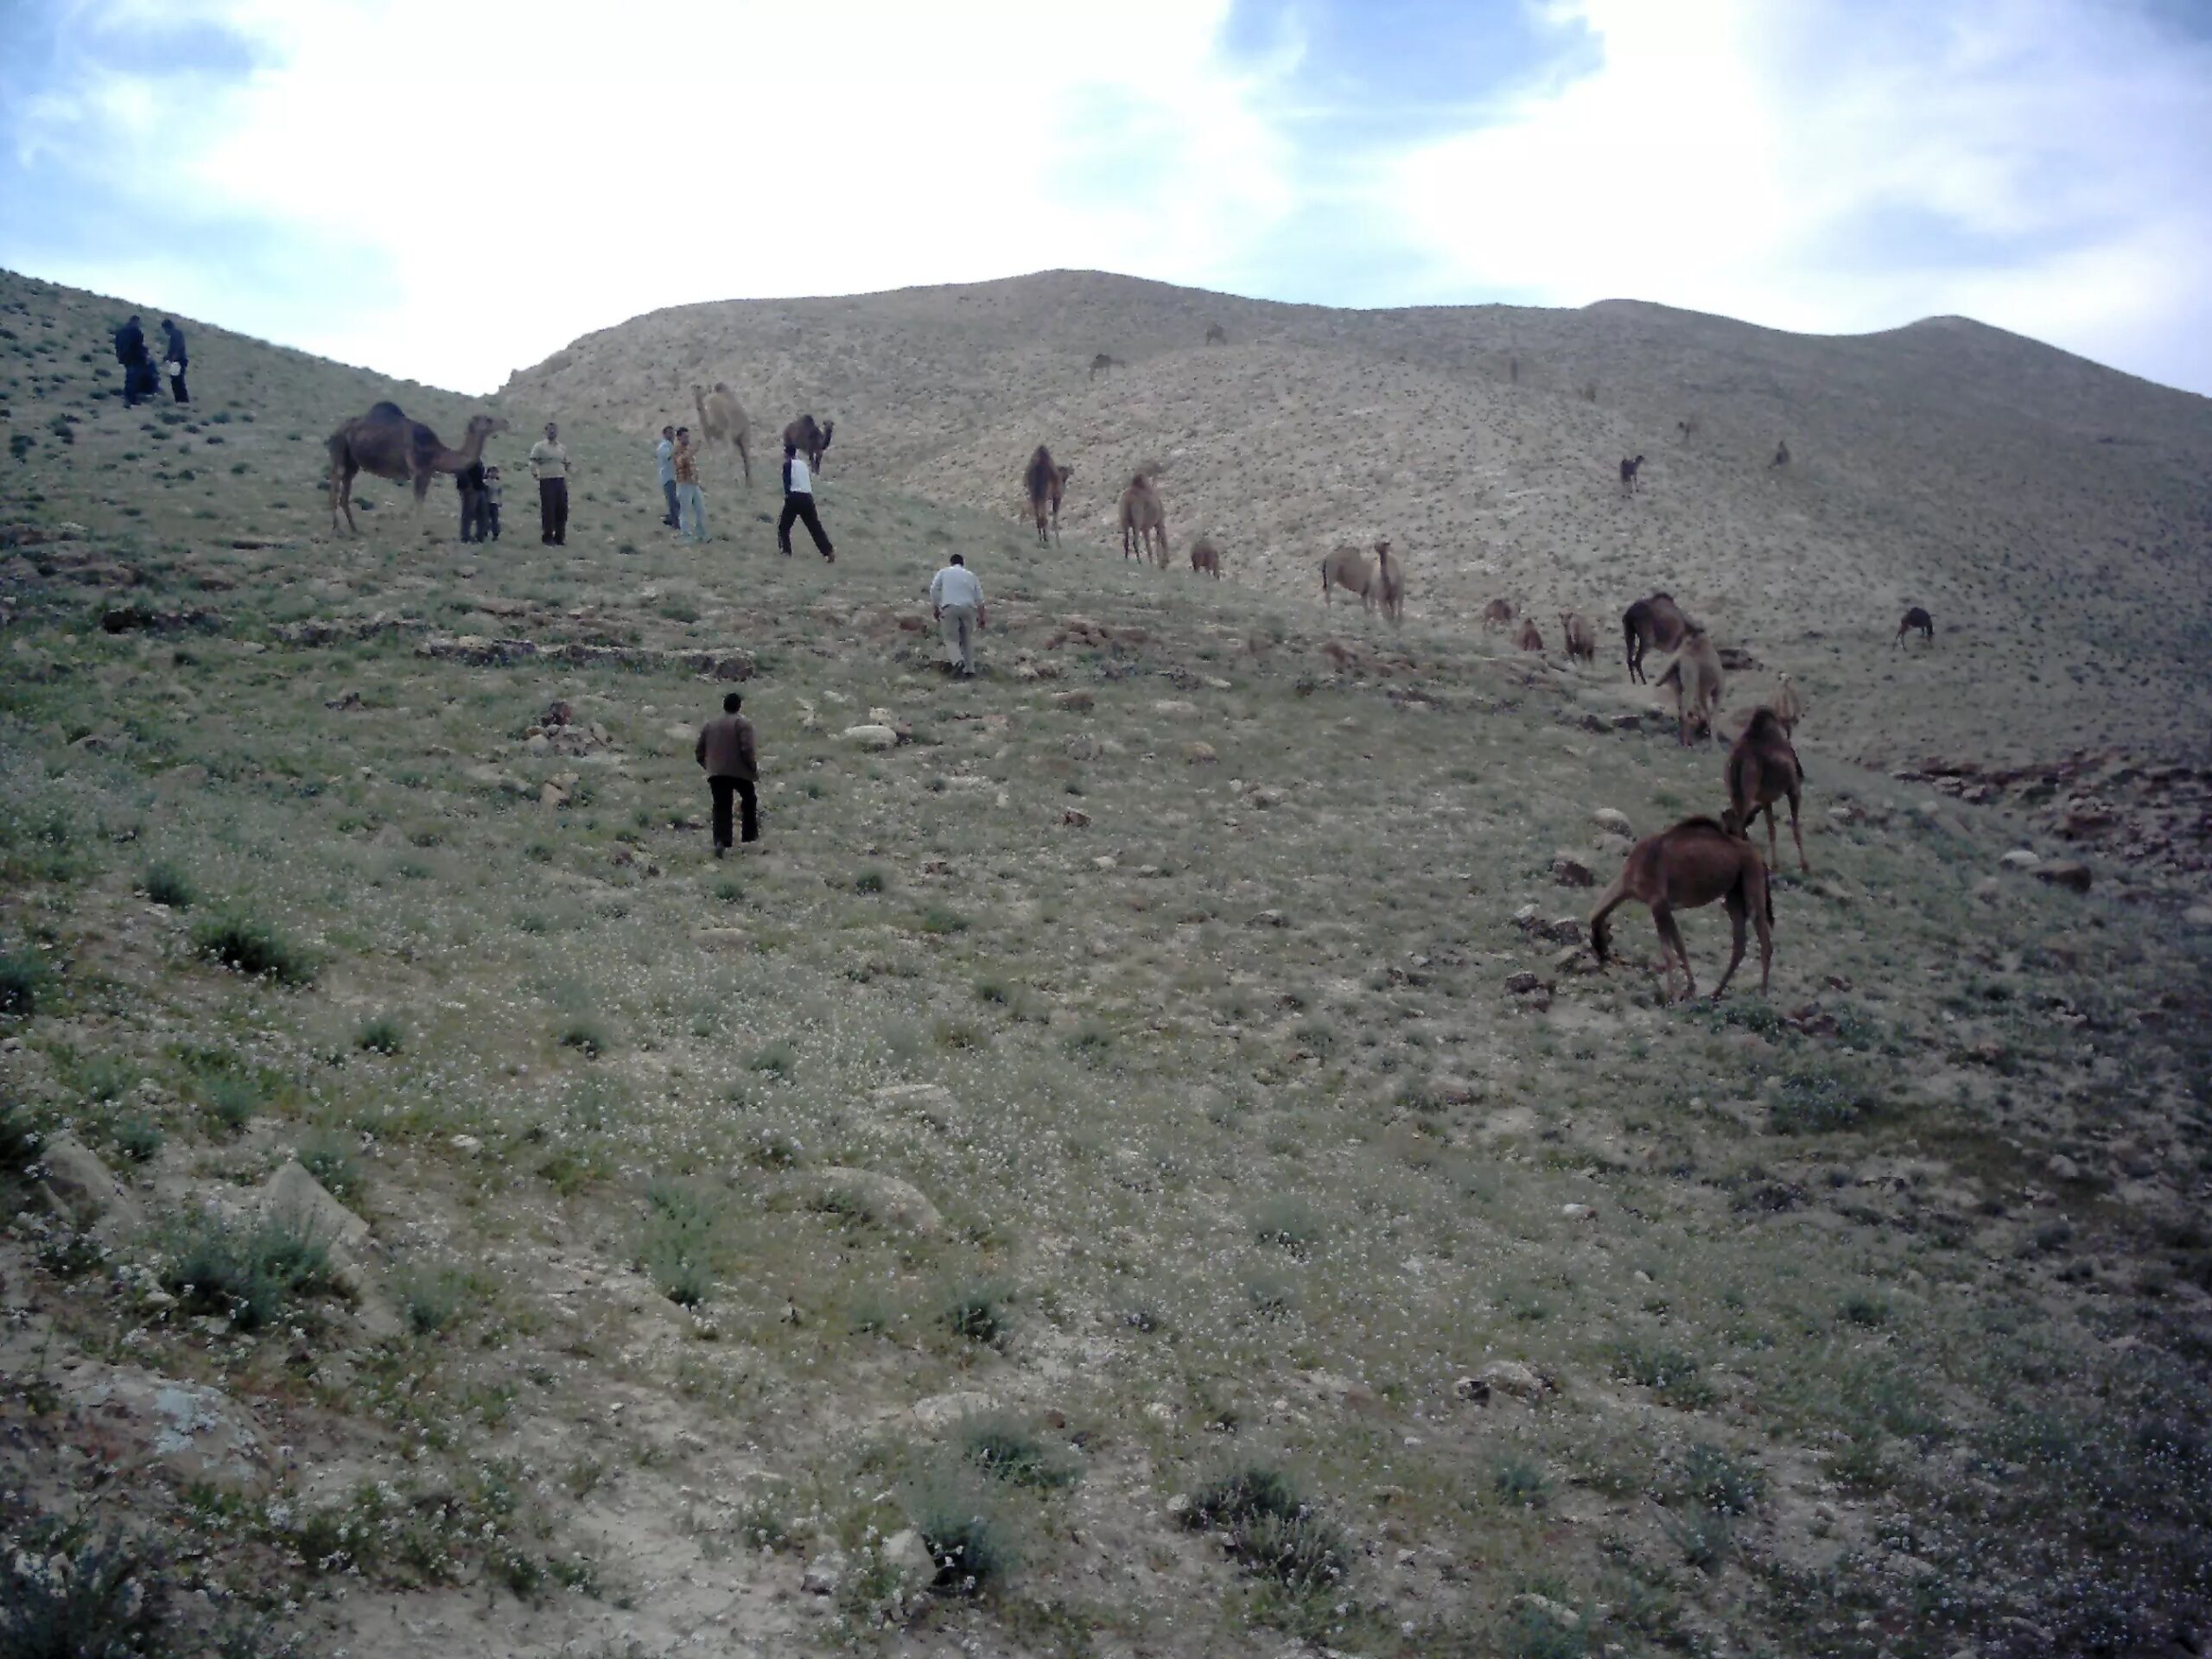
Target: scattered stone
[
  {"x": 871, "y": 736},
  {"x": 1199, "y": 754},
  {"x": 1511, "y": 1377},
  {"x": 874, "y": 1197},
  {"x": 721, "y": 938},
  {"x": 467, "y": 1145},
  {"x": 1613, "y": 822},
  {"x": 199, "y": 1434},
  {"x": 941, "y": 1411},
  {"x": 2065, "y": 872},
  {"x": 823, "y": 1574},
  {"x": 79, "y": 1188},
  {"x": 1174, "y": 708},
  {"x": 1270, "y": 918},
  {"x": 2198, "y": 915},
  {"x": 1578, "y": 1211},
  {"x": 906, "y": 1555},
  {"x": 1076, "y": 818},
  {"x": 552, "y": 795},
  {"x": 931, "y": 1102},
  {"x": 1521, "y": 983},
  {"x": 1076, "y": 702},
  {"x": 1474, "y": 1389},
  {"x": 294, "y": 1195},
  {"x": 1570, "y": 871},
  {"x": 1558, "y": 1612},
  {"x": 2020, "y": 859}
]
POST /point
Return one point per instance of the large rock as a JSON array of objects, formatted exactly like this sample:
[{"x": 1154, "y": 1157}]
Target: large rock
[
  {"x": 82, "y": 1190},
  {"x": 1613, "y": 822},
  {"x": 2020, "y": 859},
  {"x": 294, "y": 1195},
  {"x": 1511, "y": 1377},
  {"x": 1569, "y": 871},
  {"x": 908, "y": 1557},
  {"x": 197, "y": 1433},
  {"x": 871, "y": 736},
  {"x": 941, "y": 1411},
  {"x": 874, "y": 1197}
]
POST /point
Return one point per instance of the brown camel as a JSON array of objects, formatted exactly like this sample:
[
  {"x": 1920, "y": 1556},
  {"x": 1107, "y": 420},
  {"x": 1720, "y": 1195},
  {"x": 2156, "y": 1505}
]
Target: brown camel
[
  {"x": 1696, "y": 675},
  {"x": 1348, "y": 569},
  {"x": 1530, "y": 637},
  {"x": 1142, "y": 517},
  {"x": 1763, "y": 769},
  {"x": 1046, "y": 484},
  {"x": 1685, "y": 867},
  {"x": 1788, "y": 707},
  {"x": 1653, "y": 624},
  {"x": 1101, "y": 363},
  {"x": 386, "y": 444},
  {"x": 1499, "y": 613},
  {"x": 1916, "y": 618},
  {"x": 1389, "y": 583},
  {"x": 722, "y": 417},
  {"x": 1629, "y": 470},
  {"x": 1205, "y": 558},
  {"x": 1215, "y": 334},
  {"x": 810, "y": 440},
  {"x": 1576, "y": 634}
]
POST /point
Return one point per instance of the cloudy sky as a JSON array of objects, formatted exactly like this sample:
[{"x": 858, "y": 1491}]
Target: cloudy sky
[{"x": 450, "y": 189}]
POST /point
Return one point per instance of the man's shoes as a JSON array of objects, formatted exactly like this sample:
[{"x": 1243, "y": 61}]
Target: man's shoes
[{"x": 721, "y": 850}]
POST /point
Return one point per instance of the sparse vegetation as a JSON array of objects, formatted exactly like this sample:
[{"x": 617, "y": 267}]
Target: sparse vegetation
[
  {"x": 253, "y": 948},
  {"x": 250, "y": 1272}
]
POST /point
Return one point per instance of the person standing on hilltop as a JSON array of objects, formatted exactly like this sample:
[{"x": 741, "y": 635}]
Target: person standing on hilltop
[
  {"x": 731, "y": 758},
  {"x": 174, "y": 357},
  {"x": 690, "y": 500},
  {"x": 956, "y": 601},
  {"x": 493, "y": 491},
  {"x": 664, "y": 454},
  {"x": 798, "y": 503},
  {"x": 475, "y": 511},
  {"x": 549, "y": 461},
  {"x": 137, "y": 368}
]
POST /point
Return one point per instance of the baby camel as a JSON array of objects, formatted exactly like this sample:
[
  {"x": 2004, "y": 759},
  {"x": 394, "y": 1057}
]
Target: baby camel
[
  {"x": 1763, "y": 769},
  {"x": 1696, "y": 675},
  {"x": 1692, "y": 864}
]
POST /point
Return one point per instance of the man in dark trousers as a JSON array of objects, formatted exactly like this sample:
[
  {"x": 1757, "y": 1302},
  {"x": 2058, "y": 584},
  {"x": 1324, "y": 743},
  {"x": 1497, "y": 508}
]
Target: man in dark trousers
[
  {"x": 475, "y": 506},
  {"x": 173, "y": 355},
  {"x": 130, "y": 351},
  {"x": 732, "y": 766},
  {"x": 798, "y": 503},
  {"x": 550, "y": 462}
]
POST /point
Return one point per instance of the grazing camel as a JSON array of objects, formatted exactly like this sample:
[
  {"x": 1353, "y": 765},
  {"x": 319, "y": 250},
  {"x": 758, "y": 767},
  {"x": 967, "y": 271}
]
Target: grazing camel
[
  {"x": 1653, "y": 624},
  {"x": 1499, "y": 613},
  {"x": 1101, "y": 363},
  {"x": 1687, "y": 427},
  {"x": 386, "y": 444},
  {"x": 722, "y": 416},
  {"x": 1215, "y": 334},
  {"x": 1529, "y": 639},
  {"x": 1788, "y": 707},
  {"x": 1629, "y": 470},
  {"x": 1763, "y": 769},
  {"x": 1347, "y": 567},
  {"x": 1696, "y": 675},
  {"x": 810, "y": 440},
  {"x": 1389, "y": 583},
  {"x": 1045, "y": 483},
  {"x": 1686, "y": 867},
  {"x": 1916, "y": 618},
  {"x": 1141, "y": 517},
  {"x": 1577, "y": 635},
  {"x": 1205, "y": 558},
  {"x": 1781, "y": 455}
]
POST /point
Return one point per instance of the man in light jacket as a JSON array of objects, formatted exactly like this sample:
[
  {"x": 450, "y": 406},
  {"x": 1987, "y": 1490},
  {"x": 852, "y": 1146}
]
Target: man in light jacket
[
  {"x": 664, "y": 453},
  {"x": 731, "y": 758},
  {"x": 956, "y": 601},
  {"x": 550, "y": 460}
]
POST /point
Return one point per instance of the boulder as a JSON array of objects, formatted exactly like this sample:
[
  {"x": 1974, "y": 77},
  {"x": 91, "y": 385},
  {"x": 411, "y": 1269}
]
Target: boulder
[
  {"x": 1569, "y": 871},
  {"x": 1578, "y": 1213},
  {"x": 82, "y": 1190},
  {"x": 1511, "y": 1377},
  {"x": 909, "y": 1558},
  {"x": 823, "y": 1574},
  {"x": 2065, "y": 872},
  {"x": 874, "y": 1197},
  {"x": 940, "y": 1411},
  {"x": 295, "y": 1195},
  {"x": 198, "y": 1433},
  {"x": 1199, "y": 754},
  {"x": 1613, "y": 822},
  {"x": 871, "y": 736},
  {"x": 1076, "y": 818},
  {"x": 2019, "y": 858}
]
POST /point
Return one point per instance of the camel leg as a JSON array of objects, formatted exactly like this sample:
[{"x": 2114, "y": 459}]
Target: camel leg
[
  {"x": 1762, "y": 899},
  {"x": 1670, "y": 940},
  {"x": 1796, "y": 835},
  {"x": 1736, "y": 914}
]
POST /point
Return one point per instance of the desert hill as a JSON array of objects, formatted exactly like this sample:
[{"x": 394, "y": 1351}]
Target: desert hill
[{"x": 2056, "y": 514}]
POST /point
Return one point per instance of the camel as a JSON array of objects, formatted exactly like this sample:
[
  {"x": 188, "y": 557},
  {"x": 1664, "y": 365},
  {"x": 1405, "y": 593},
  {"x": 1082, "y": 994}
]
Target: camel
[
  {"x": 722, "y": 416},
  {"x": 1629, "y": 470},
  {"x": 1763, "y": 769},
  {"x": 386, "y": 444},
  {"x": 1915, "y": 618},
  {"x": 1789, "y": 707},
  {"x": 1045, "y": 483},
  {"x": 1143, "y": 517},
  {"x": 1686, "y": 867},
  {"x": 810, "y": 440},
  {"x": 1101, "y": 363},
  {"x": 1530, "y": 637},
  {"x": 1215, "y": 334},
  {"x": 1687, "y": 427},
  {"x": 1653, "y": 624},
  {"x": 1781, "y": 455},
  {"x": 1205, "y": 558},
  {"x": 1348, "y": 569},
  {"x": 1576, "y": 636},
  {"x": 1499, "y": 613},
  {"x": 1389, "y": 583},
  {"x": 1696, "y": 675}
]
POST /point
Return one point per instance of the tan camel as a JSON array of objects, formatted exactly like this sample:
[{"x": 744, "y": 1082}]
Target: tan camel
[
  {"x": 386, "y": 444},
  {"x": 1577, "y": 637},
  {"x": 1499, "y": 613},
  {"x": 1046, "y": 484},
  {"x": 1215, "y": 334},
  {"x": 1101, "y": 363},
  {"x": 1142, "y": 517},
  {"x": 1628, "y": 471},
  {"x": 1916, "y": 620},
  {"x": 810, "y": 440},
  {"x": 1685, "y": 867},
  {"x": 1389, "y": 583},
  {"x": 1205, "y": 558},
  {"x": 721, "y": 418},
  {"x": 1788, "y": 707},
  {"x": 1763, "y": 769},
  {"x": 1529, "y": 638},
  {"x": 1653, "y": 624},
  {"x": 1696, "y": 675},
  {"x": 1348, "y": 569}
]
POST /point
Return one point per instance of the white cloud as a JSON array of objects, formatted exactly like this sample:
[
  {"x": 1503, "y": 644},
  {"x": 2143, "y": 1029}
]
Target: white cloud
[{"x": 1840, "y": 166}]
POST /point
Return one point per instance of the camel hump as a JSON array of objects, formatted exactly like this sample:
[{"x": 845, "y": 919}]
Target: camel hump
[
  {"x": 387, "y": 412},
  {"x": 1705, "y": 825}
]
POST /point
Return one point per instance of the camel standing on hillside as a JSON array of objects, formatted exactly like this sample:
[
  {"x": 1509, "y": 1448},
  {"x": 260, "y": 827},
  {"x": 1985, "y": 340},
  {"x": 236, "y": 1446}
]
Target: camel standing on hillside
[
  {"x": 1577, "y": 637},
  {"x": 1629, "y": 470},
  {"x": 1142, "y": 517},
  {"x": 1685, "y": 867},
  {"x": 1389, "y": 583},
  {"x": 810, "y": 440},
  {"x": 1215, "y": 334},
  {"x": 1763, "y": 769},
  {"x": 1348, "y": 569},
  {"x": 1205, "y": 558},
  {"x": 1653, "y": 624},
  {"x": 1531, "y": 637},
  {"x": 1696, "y": 675},
  {"x": 386, "y": 444},
  {"x": 1045, "y": 483},
  {"x": 1788, "y": 707},
  {"x": 721, "y": 418},
  {"x": 1101, "y": 363},
  {"x": 1916, "y": 619},
  {"x": 1499, "y": 613}
]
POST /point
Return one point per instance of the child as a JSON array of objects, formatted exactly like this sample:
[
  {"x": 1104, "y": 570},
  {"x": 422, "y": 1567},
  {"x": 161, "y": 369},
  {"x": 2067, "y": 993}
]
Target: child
[{"x": 492, "y": 499}]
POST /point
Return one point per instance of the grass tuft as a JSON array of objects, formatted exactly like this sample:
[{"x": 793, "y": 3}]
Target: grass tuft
[
  {"x": 251, "y": 947},
  {"x": 165, "y": 884},
  {"x": 250, "y": 1271}
]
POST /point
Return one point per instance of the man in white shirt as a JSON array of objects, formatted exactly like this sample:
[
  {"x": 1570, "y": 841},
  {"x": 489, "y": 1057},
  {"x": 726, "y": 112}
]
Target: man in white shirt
[
  {"x": 798, "y": 507},
  {"x": 664, "y": 453},
  {"x": 956, "y": 601}
]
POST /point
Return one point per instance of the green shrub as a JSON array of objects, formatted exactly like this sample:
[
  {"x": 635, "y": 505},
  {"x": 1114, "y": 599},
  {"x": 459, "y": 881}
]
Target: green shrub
[
  {"x": 940, "y": 920},
  {"x": 966, "y": 1533},
  {"x": 1518, "y": 1480},
  {"x": 1287, "y": 1222},
  {"x": 248, "y": 1270},
  {"x": 21, "y": 1136},
  {"x": 165, "y": 884},
  {"x": 66, "y": 1595},
  {"x": 252, "y": 947},
  {"x": 1271, "y": 1526},
  {"x": 139, "y": 1139},
  {"x": 381, "y": 1035},
  {"x": 585, "y": 1037},
  {"x": 778, "y": 1060},
  {"x": 23, "y": 979},
  {"x": 431, "y": 1298},
  {"x": 979, "y": 1312},
  {"x": 676, "y": 1256},
  {"x": 1821, "y": 1098},
  {"x": 871, "y": 879},
  {"x": 1715, "y": 1479},
  {"x": 329, "y": 1157},
  {"x": 1006, "y": 1448}
]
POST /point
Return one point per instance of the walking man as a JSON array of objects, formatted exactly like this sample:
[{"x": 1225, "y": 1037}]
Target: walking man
[
  {"x": 492, "y": 489},
  {"x": 137, "y": 368},
  {"x": 173, "y": 356},
  {"x": 798, "y": 503},
  {"x": 664, "y": 453},
  {"x": 956, "y": 601},
  {"x": 691, "y": 502},
  {"x": 475, "y": 509},
  {"x": 732, "y": 761},
  {"x": 550, "y": 462}
]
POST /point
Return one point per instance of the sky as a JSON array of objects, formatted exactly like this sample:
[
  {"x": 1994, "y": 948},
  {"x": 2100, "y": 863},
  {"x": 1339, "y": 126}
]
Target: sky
[{"x": 450, "y": 190}]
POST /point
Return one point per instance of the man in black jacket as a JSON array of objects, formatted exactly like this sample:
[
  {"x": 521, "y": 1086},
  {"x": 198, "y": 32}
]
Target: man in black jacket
[
  {"x": 173, "y": 354},
  {"x": 130, "y": 351},
  {"x": 475, "y": 505}
]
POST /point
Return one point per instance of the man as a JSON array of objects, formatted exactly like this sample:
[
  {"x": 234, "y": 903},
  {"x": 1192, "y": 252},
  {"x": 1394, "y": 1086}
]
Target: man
[
  {"x": 798, "y": 503},
  {"x": 691, "y": 504},
  {"x": 130, "y": 351},
  {"x": 956, "y": 601},
  {"x": 550, "y": 462},
  {"x": 173, "y": 355},
  {"x": 664, "y": 453},
  {"x": 475, "y": 510},
  {"x": 727, "y": 750}
]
